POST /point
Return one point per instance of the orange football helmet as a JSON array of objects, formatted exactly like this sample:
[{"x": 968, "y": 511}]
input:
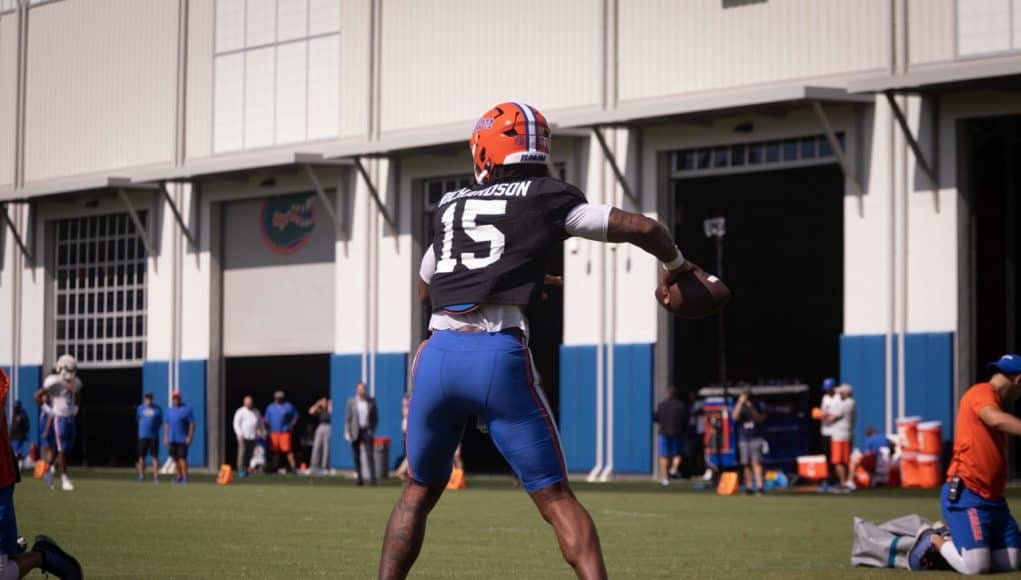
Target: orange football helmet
[{"x": 507, "y": 134}]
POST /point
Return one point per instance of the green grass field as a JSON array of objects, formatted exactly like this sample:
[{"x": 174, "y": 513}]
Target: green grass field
[{"x": 289, "y": 527}]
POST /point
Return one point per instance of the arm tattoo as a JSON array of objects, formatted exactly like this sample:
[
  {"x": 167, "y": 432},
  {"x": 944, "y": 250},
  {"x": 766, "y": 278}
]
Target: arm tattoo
[{"x": 644, "y": 232}]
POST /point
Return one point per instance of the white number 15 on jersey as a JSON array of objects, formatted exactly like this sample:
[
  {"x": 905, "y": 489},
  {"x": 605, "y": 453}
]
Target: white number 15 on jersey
[{"x": 486, "y": 233}]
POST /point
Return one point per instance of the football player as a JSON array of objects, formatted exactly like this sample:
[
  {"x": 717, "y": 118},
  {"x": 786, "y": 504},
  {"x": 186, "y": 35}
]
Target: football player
[
  {"x": 45, "y": 554},
  {"x": 64, "y": 388},
  {"x": 483, "y": 268}
]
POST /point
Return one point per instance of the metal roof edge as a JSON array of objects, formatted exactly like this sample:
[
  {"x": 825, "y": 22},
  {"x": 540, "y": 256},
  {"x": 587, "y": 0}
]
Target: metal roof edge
[{"x": 940, "y": 73}]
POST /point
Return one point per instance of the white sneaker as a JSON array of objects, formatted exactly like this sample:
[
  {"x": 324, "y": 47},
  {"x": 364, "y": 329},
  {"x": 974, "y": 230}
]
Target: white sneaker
[
  {"x": 850, "y": 485},
  {"x": 664, "y": 482},
  {"x": 65, "y": 483}
]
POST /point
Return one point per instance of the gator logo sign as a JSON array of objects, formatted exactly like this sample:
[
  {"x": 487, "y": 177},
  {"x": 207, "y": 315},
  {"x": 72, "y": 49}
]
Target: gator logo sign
[{"x": 286, "y": 222}]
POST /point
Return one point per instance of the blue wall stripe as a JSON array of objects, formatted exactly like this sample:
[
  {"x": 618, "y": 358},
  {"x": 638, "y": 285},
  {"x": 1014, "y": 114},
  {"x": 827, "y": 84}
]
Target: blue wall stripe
[
  {"x": 391, "y": 383},
  {"x": 154, "y": 380},
  {"x": 577, "y": 412},
  {"x": 863, "y": 366},
  {"x": 29, "y": 380},
  {"x": 929, "y": 378},
  {"x": 345, "y": 372},
  {"x": 632, "y": 408},
  {"x": 192, "y": 382}
]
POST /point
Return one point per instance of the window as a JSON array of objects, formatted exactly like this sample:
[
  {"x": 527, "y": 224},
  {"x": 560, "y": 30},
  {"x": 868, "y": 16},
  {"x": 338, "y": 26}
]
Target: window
[
  {"x": 988, "y": 26},
  {"x": 276, "y": 76},
  {"x": 7, "y": 6},
  {"x": 100, "y": 290},
  {"x": 808, "y": 150}
]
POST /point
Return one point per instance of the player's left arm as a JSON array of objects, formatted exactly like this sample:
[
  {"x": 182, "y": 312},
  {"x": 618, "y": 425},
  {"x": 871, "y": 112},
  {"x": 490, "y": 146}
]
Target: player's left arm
[{"x": 191, "y": 431}]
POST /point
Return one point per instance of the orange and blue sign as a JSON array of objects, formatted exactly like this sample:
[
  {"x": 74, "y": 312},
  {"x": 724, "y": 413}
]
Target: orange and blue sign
[{"x": 286, "y": 222}]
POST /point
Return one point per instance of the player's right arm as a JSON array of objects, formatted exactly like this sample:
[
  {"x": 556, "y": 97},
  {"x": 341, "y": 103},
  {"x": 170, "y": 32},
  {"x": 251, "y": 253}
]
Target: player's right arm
[
  {"x": 1000, "y": 420},
  {"x": 610, "y": 224}
]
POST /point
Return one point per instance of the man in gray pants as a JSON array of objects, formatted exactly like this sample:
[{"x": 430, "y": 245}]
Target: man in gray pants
[
  {"x": 321, "y": 410},
  {"x": 360, "y": 421}
]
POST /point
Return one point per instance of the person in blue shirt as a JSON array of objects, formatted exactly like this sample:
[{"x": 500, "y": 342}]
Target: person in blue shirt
[
  {"x": 150, "y": 420},
  {"x": 177, "y": 433},
  {"x": 280, "y": 418}
]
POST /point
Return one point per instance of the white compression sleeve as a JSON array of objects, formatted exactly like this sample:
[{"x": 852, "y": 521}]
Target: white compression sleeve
[
  {"x": 588, "y": 221},
  {"x": 976, "y": 561},
  {"x": 1006, "y": 560},
  {"x": 428, "y": 266}
]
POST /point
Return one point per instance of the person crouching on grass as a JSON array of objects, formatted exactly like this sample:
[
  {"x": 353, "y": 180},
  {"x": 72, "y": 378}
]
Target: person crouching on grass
[{"x": 983, "y": 531}]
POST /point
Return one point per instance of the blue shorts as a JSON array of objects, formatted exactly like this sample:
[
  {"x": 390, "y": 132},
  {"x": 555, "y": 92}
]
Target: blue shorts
[
  {"x": 489, "y": 375},
  {"x": 671, "y": 445},
  {"x": 64, "y": 431},
  {"x": 976, "y": 522},
  {"x": 8, "y": 522}
]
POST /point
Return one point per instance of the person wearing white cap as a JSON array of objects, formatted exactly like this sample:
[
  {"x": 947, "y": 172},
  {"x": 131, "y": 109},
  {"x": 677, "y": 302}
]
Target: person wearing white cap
[
  {"x": 841, "y": 419},
  {"x": 64, "y": 389}
]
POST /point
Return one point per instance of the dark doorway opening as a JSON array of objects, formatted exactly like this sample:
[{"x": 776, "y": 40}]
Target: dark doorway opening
[
  {"x": 106, "y": 419},
  {"x": 303, "y": 378},
  {"x": 783, "y": 259},
  {"x": 994, "y": 181}
]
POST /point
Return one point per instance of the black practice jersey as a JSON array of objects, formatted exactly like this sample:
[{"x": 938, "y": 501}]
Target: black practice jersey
[{"x": 492, "y": 240}]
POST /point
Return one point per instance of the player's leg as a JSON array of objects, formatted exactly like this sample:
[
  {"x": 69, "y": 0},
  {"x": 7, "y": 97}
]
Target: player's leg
[
  {"x": 523, "y": 429},
  {"x": 575, "y": 530},
  {"x": 140, "y": 463},
  {"x": 405, "y": 530},
  {"x": 675, "y": 463},
  {"x": 154, "y": 457},
  {"x": 970, "y": 526},
  {"x": 356, "y": 451},
  {"x": 435, "y": 426},
  {"x": 1006, "y": 543}
]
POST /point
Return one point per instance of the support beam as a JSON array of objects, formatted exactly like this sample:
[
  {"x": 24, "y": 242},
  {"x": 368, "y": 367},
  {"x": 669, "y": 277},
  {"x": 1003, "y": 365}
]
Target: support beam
[
  {"x": 612, "y": 160},
  {"x": 18, "y": 238},
  {"x": 910, "y": 137},
  {"x": 323, "y": 198},
  {"x": 391, "y": 219},
  {"x": 831, "y": 137},
  {"x": 140, "y": 231},
  {"x": 178, "y": 217}
]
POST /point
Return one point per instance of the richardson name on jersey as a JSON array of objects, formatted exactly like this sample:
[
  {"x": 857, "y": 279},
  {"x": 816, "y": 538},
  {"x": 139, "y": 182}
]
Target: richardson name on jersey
[{"x": 505, "y": 189}]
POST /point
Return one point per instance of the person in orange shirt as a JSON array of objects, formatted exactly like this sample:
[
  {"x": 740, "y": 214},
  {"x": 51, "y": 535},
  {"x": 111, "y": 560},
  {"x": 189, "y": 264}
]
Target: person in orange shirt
[
  {"x": 983, "y": 534},
  {"x": 45, "y": 554}
]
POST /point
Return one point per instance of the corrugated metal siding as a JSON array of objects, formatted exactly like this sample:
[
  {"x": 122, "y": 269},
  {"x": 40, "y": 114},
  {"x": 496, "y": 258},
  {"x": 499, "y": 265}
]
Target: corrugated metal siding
[
  {"x": 669, "y": 47},
  {"x": 101, "y": 86},
  {"x": 199, "y": 113},
  {"x": 930, "y": 30},
  {"x": 354, "y": 68},
  {"x": 8, "y": 76},
  {"x": 458, "y": 58}
]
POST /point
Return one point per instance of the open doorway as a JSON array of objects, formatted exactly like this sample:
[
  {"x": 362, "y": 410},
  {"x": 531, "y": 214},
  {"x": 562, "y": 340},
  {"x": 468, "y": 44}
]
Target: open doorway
[
  {"x": 783, "y": 259},
  {"x": 106, "y": 420},
  {"x": 303, "y": 378},
  {"x": 994, "y": 184}
]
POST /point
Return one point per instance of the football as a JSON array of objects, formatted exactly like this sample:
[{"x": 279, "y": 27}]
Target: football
[{"x": 696, "y": 294}]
